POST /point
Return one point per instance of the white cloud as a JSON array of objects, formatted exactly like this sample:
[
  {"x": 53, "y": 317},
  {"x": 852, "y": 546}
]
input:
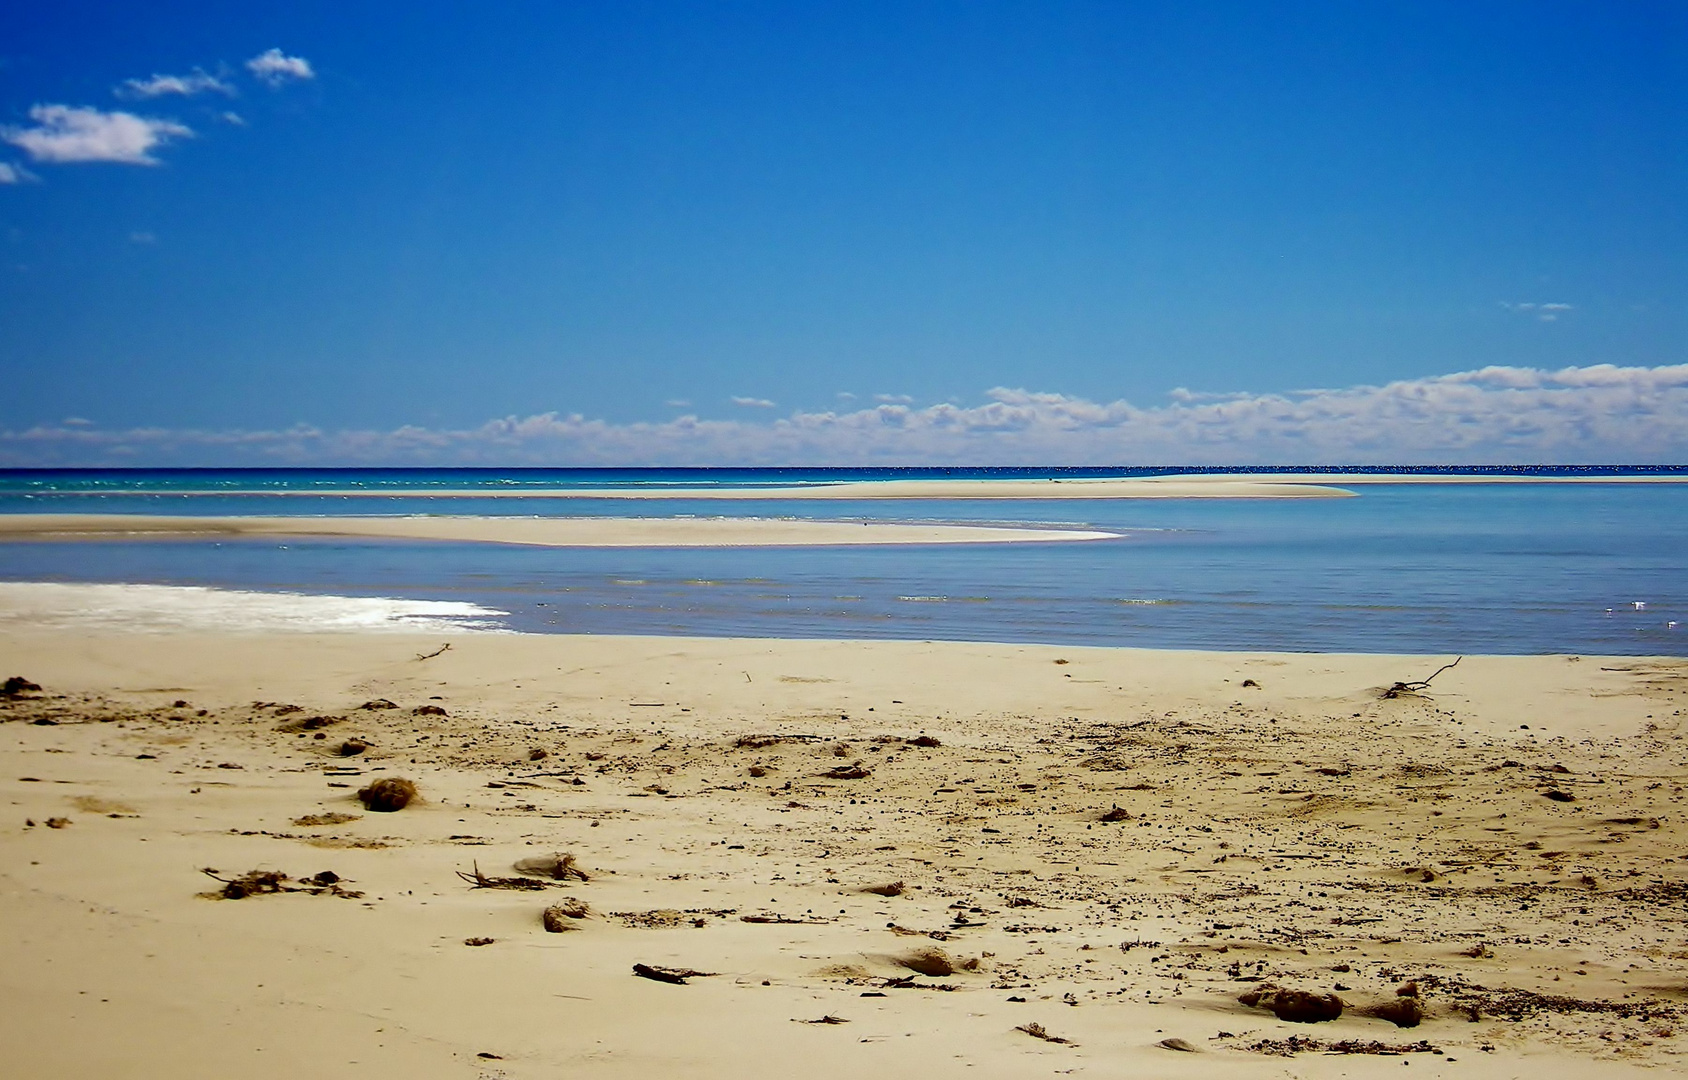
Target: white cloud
[
  {"x": 185, "y": 85},
  {"x": 892, "y": 399},
  {"x": 1543, "y": 312},
  {"x": 274, "y": 68},
  {"x": 1499, "y": 415},
  {"x": 232, "y": 118},
  {"x": 64, "y": 134},
  {"x": 14, "y": 174},
  {"x": 753, "y": 402}
]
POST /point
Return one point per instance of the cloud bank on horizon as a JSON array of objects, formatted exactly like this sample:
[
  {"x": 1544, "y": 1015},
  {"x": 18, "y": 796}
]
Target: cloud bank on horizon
[{"x": 1496, "y": 415}]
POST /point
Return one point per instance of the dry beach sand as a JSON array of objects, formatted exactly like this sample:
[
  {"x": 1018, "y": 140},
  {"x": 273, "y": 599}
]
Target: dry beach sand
[{"x": 1106, "y": 846}]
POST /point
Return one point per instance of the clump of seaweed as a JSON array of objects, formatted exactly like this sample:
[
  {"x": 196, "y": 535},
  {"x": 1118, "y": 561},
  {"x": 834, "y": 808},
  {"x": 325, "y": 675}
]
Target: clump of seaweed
[
  {"x": 560, "y": 918},
  {"x": 388, "y": 794},
  {"x": 17, "y": 686}
]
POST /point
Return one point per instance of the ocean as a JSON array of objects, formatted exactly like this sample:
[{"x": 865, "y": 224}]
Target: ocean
[{"x": 1596, "y": 567}]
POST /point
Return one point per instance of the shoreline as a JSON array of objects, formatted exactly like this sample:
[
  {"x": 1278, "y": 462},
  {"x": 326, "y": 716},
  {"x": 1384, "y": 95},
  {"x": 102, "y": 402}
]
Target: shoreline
[
  {"x": 1284, "y": 823},
  {"x": 530, "y": 531}
]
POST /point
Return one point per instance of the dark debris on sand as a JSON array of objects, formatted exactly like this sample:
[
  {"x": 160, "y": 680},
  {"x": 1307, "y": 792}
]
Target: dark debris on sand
[
  {"x": 677, "y": 976},
  {"x": 388, "y": 794},
  {"x": 261, "y": 882},
  {"x": 1301, "y": 1044}
]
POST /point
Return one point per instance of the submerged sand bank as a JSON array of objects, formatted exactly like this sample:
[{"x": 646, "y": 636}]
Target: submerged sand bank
[
  {"x": 542, "y": 532},
  {"x": 730, "y": 799}
]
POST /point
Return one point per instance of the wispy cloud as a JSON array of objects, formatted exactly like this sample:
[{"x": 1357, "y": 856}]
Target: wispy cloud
[
  {"x": 892, "y": 399},
  {"x": 184, "y": 85},
  {"x": 65, "y": 134},
  {"x": 275, "y": 68},
  {"x": 753, "y": 402},
  {"x": 14, "y": 174},
  {"x": 1602, "y": 413},
  {"x": 1544, "y": 312}
]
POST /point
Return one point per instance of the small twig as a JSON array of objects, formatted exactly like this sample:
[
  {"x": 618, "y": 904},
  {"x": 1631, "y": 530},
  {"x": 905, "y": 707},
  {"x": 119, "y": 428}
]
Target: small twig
[
  {"x": 478, "y": 880},
  {"x": 436, "y": 652},
  {"x": 1420, "y": 684},
  {"x": 1037, "y": 1031}
]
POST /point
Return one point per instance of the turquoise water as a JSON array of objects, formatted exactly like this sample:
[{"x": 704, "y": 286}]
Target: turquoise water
[{"x": 1427, "y": 568}]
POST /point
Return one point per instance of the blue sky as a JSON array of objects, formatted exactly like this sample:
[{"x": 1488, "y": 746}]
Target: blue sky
[{"x": 440, "y": 214}]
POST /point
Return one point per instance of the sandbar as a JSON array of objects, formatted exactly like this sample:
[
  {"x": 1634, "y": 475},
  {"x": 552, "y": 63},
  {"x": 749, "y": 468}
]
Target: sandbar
[
  {"x": 594, "y": 532},
  {"x": 1137, "y": 487}
]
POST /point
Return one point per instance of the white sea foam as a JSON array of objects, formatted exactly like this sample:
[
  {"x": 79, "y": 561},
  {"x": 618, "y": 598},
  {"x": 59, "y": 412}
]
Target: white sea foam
[{"x": 159, "y": 608}]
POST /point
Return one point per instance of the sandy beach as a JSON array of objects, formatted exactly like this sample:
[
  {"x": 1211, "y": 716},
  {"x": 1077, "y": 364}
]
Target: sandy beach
[
  {"x": 1105, "y": 846},
  {"x": 540, "y": 532}
]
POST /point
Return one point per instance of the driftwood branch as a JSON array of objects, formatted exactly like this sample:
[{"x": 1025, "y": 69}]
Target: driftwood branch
[
  {"x": 436, "y": 652},
  {"x": 1418, "y": 685}
]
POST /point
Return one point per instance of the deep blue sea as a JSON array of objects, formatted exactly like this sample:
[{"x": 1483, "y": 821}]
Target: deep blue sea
[{"x": 1408, "y": 567}]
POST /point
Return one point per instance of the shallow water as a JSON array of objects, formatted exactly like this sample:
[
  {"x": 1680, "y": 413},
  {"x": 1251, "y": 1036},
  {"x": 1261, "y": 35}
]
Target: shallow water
[{"x": 1428, "y": 568}]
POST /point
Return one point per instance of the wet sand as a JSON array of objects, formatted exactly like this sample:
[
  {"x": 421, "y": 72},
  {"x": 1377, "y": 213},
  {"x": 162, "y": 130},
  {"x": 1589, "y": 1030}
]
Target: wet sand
[{"x": 1505, "y": 847}]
